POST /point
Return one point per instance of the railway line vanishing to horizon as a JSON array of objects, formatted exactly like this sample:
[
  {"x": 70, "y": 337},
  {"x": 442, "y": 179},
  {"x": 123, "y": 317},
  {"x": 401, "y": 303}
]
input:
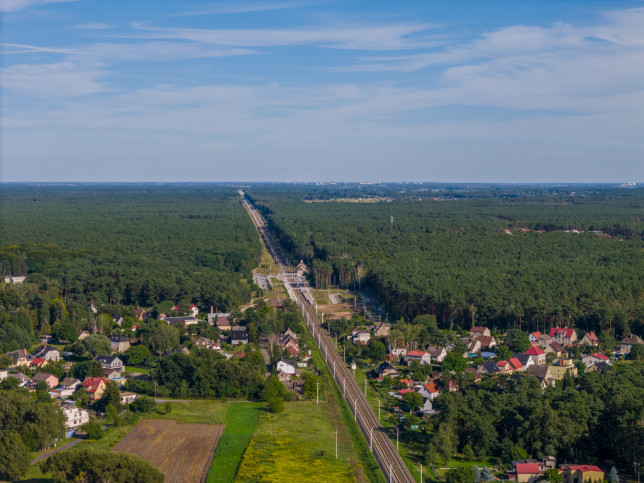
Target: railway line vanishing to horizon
[{"x": 391, "y": 462}]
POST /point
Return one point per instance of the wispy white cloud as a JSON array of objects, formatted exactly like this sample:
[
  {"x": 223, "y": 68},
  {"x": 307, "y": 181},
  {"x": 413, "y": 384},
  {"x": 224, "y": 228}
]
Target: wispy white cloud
[
  {"x": 91, "y": 26},
  {"x": 61, "y": 79},
  {"x": 24, "y": 48},
  {"x": 15, "y": 5},
  {"x": 383, "y": 37},
  {"x": 232, "y": 8}
]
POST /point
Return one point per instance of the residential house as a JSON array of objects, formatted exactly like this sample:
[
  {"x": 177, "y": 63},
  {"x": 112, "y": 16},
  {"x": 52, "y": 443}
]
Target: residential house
[
  {"x": 184, "y": 321},
  {"x": 543, "y": 375},
  {"x": 111, "y": 374},
  {"x": 580, "y": 473},
  {"x": 119, "y": 343},
  {"x": 301, "y": 268},
  {"x": 61, "y": 393},
  {"x": 19, "y": 358},
  {"x": 561, "y": 367},
  {"x": 527, "y": 472},
  {"x": 477, "y": 331},
  {"x": 276, "y": 302},
  {"x": 222, "y": 323},
  {"x": 128, "y": 398},
  {"x": 37, "y": 363},
  {"x": 437, "y": 353},
  {"x": 471, "y": 370},
  {"x": 564, "y": 335},
  {"x": 204, "y": 343},
  {"x": 289, "y": 333},
  {"x": 386, "y": 370},
  {"x": 489, "y": 367},
  {"x": 427, "y": 408},
  {"x": 70, "y": 383},
  {"x": 75, "y": 416},
  {"x": 398, "y": 351},
  {"x": 52, "y": 381},
  {"x": 118, "y": 320},
  {"x": 537, "y": 355},
  {"x": 525, "y": 360},
  {"x": 510, "y": 366},
  {"x": 556, "y": 348},
  {"x": 238, "y": 335},
  {"x": 110, "y": 362},
  {"x": 83, "y": 334},
  {"x": 140, "y": 313},
  {"x": 487, "y": 341},
  {"x": 360, "y": 336},
  {"x": 534, "y": 337},
  {"x": 545, "y": 340},
  {"x": 3, "y": 374},
  {"x": 421, "y": 356},
  {"x": 382, "y": 330},
  {"x": 627, "y": 343},
  {"x": 286, "y": 366},
  {"x": 595, "y": 358},
  {"x": 598, "y": 366},
  {"x": 428, "y": 391},
  {"x": 473, "y": 345},
  {"x": 14, "y": 279},
  {"x": 589, "y": 339},
  {"x": 47, "y": 352},
  {"x": 95, "y": 387},
  {"x": 22, "y": 379}
]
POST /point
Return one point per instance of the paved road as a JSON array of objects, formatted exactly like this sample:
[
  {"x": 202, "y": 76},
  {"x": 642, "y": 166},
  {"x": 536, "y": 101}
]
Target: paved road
[
  {"x": 390, "y": 461},
  {"x": 44, "y": 456}
]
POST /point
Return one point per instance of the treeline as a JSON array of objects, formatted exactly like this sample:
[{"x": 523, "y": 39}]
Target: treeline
[
  {"x": 121, "y": 246},
  {"x": 594, "y": 419},
  {"x": 445, "y": 251}
]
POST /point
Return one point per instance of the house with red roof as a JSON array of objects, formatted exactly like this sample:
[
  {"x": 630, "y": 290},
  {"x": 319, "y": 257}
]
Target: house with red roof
[
  {"x": 38, "y": 362},
  {"x": 428, "y": 391},
  {"x": 95, "y": 387},
  {"x": 510, "y": 366},
  {"x": 580, "y": 473},
  {"x": 595, "y": 358},
  {"x": 537, "y": 355},
  {"x": 534, "y": 337},
  {"x": 421, "y": 356},
  {"x": 589, "y": 339},
  {"x": 527, "y": 472},
  {"x": 564, "y": 335}
]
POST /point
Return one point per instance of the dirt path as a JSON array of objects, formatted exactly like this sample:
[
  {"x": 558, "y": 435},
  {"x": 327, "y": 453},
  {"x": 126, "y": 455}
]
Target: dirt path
[{"x": 44, "y": 456}]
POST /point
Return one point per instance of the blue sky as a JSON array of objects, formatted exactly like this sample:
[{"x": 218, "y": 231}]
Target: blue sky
[{"x": 461, "y": 91}]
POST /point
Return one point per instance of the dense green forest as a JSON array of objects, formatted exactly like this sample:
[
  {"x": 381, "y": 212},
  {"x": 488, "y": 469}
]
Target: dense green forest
[
  {"x": 121, "y": 245},
  {"x": 505, "y": 256},
  {"x": 596, "y": 418}
]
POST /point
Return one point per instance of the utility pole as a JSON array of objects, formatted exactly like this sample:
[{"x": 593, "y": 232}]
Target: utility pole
[
  {"x": 155, "y": 389},
  {"x": 355, "y": 409},
  {"x": 336, "y": 447},
  {"x": 344, "y": 387},
  {"x": 371, "y": 440},
  {"x": 317, "y": 393},
  {"x": 344, "y": 355},
  {"x": 390, "y": 480},
  {"x": 378, "y": 409},
  {"x": 365, "y": 385},
  {"x": 397, "y": 433},
  {"x": 421, "y": 473}
]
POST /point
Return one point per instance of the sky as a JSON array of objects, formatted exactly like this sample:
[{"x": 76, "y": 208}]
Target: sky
[{"x": 433, "y": 90}]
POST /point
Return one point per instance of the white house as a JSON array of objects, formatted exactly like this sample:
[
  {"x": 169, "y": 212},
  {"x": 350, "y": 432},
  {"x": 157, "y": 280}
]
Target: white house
[
  {"x": 421, "y": 356},
  {"x": 595, "y": 358},
  {"x": 47, "y": 352},
  {"x": 398, "y": 351},
  {"x": 75, "y": 416},
  {"x": 127, "y": 398},
  {"x": 428, "y": 391},
  {"x": 360, "y": 336},
  {"x": 109, "y": 362},
  {"x": 286, "y": 366},
  {"x": 13, "y": 279},
  {"x": 437, "y": 353}
]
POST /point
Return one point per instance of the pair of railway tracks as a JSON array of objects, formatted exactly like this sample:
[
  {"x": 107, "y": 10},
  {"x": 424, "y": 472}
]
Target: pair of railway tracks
[{"x": 391, "y": 463}]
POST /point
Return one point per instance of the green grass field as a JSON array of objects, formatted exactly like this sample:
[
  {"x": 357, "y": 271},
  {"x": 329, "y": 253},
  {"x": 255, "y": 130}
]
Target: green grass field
[
  {"x": 300, "y": 442},
  {"x": 241, "y": 419}
]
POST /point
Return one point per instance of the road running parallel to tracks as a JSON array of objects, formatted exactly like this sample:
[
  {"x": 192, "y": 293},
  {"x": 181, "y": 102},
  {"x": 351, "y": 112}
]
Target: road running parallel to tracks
[{"x": 391, "y": 463}]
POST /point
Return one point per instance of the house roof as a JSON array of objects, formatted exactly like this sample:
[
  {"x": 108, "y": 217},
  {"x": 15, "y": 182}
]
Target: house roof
[
  {"x": 405, "y": 391},
  {"x": 597, "y": 355},
  {"x": 476, "y": 329},
  {"x": 435, "y": 351},
  {"x": 632, "y": 339},
  {"x": 286, "y": 361},
  {"x": 485, "y": 340},
  {"x": 106, "y": 359},
  {"x": 416, "y": 353},
  {"x": 69, "y": 381},
  {"x": 91, "y": 384},
  {"x": 561, "y": 330},
  {"x": 118, "y": 338},
  {"x": 42, "y": 376},
  {"x": 431, "y": 388},
  {"x": 524, "y": 359},
  {"x": 583, "y": 468},
  {"x": 490, "y": 367},
  {"x": 556, "y": 346},
  {"x": 386, "y": 366},
  {"x": 592, "y": 336},
  {"x": 44, "y": 349},
  {"x": 515, "y": 363},
  {"x": 536, "y": 334},
  {"x": 37, "y": 361},
  {"x": 527, "y": 468},
  {"x": 534, "y": 351}
]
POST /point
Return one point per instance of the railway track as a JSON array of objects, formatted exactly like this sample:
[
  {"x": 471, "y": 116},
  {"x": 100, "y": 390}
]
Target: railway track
[{"x": 391, "y": 463}]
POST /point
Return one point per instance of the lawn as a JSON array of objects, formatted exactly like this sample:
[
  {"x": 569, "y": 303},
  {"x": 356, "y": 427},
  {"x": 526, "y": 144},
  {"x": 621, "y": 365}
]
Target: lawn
[
  {"x": 208, "y": 412},
  {"x": 241, "y": 419},
  {"x": 299, "y": 441}
]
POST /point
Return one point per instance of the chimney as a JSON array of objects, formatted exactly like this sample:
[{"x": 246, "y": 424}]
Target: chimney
[{"x": 211, "y": 309}]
